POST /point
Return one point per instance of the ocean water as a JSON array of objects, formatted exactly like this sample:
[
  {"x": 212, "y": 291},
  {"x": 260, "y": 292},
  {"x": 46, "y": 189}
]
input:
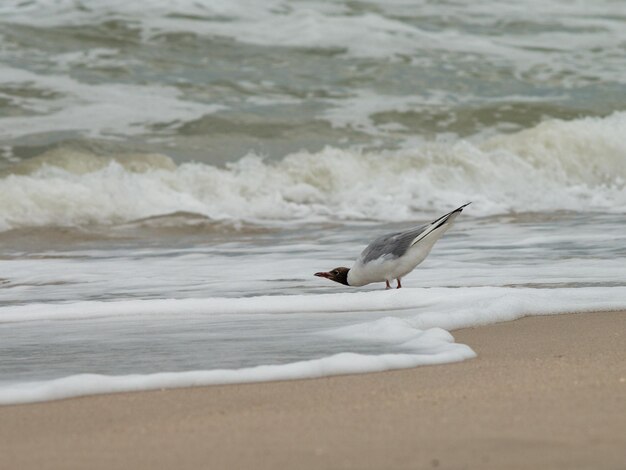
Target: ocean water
[{"x": 172, "y": 173}]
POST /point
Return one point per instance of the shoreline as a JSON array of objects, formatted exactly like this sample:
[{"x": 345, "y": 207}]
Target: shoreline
[{"x": 544, "y": 391}]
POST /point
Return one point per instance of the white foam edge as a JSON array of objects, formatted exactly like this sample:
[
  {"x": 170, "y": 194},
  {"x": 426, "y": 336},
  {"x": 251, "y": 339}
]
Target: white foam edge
[
  {"x": 337, "y": 364},
  {"x": 460, "y": 305},
  {"x": 474, "y": 306}
]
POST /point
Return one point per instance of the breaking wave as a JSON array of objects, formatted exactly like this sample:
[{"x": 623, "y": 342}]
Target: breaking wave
[{"x": 558, "y": 165}]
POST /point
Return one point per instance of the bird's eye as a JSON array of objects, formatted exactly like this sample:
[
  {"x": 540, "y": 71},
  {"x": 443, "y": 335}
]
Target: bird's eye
[{"x": 334, "y": 271}]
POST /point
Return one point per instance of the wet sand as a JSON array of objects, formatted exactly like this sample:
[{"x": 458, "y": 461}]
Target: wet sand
[{"x": 544, "y": 392}]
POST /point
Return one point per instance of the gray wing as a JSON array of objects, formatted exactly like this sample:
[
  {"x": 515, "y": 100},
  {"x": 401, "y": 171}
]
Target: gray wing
[{"x": 392, "y": 245}]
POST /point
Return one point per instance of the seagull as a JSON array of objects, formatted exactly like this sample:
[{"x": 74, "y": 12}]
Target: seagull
[{"x": 394, "y": 255}]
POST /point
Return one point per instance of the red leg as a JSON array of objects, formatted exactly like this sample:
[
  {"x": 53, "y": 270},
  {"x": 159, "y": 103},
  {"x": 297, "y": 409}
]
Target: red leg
[
  {"x": 399, "y": 283},
  {"x": 388, "y": 285}
]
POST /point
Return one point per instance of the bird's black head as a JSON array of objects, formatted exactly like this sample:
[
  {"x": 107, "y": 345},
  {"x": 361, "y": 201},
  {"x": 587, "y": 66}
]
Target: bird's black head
[{"x": 339, "y": 275}]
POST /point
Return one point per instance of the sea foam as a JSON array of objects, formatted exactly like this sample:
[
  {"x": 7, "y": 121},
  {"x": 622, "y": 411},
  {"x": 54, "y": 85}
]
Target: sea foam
[
  {"x": 439, "y": 351},
  {"x": 455, "y": 307},
  {"x": 96, "y": 110},
  {"x": 379, "y": 29}
]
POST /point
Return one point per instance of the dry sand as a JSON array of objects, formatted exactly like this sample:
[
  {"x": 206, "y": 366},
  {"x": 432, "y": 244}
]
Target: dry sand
[{"x": 544, "y": 393}]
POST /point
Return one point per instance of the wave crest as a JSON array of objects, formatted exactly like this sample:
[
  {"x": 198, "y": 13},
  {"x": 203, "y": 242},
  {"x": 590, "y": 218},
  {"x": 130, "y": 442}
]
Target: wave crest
[{"x": 558, "y": 165}]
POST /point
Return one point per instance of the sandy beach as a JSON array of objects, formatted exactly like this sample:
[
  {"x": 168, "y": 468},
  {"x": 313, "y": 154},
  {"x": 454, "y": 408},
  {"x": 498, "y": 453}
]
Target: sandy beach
[
  {"x": 544, "y": 392},
  {"x": 174, "y": 174}
]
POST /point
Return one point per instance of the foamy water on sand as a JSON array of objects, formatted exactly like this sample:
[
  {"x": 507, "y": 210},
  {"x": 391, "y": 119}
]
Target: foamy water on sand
[{"x": 171, "y": 177}]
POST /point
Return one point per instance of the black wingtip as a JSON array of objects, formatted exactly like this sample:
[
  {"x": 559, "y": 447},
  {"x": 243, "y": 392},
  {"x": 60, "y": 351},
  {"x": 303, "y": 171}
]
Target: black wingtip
[{"x": 444, "y": 218}]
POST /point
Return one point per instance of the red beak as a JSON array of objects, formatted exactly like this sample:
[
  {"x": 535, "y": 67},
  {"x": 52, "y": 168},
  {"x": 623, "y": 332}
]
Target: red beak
[{"x": 326, "y": 275}]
